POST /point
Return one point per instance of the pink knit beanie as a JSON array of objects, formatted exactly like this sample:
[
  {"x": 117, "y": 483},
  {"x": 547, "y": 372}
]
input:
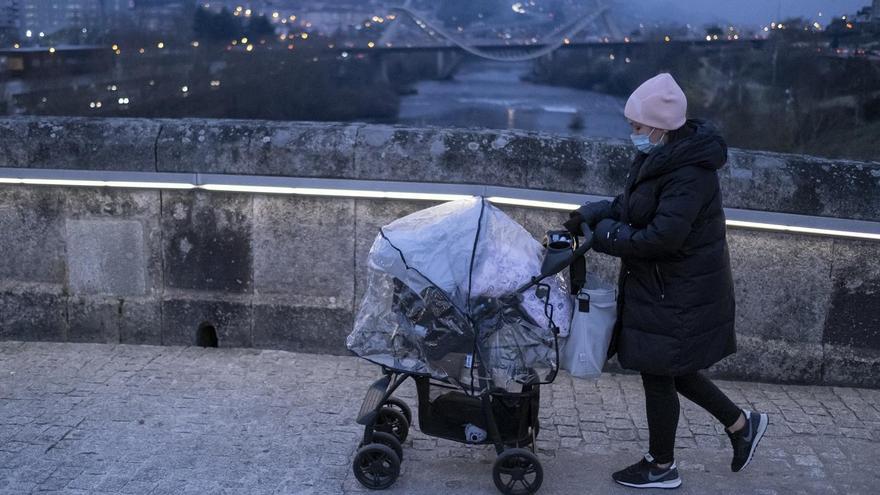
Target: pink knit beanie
[{"x": 659, "y": 102}]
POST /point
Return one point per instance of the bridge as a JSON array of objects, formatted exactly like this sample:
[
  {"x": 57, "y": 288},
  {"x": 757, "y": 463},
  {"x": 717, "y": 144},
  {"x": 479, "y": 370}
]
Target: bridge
[
  {"x": 452, "y": 48},
  {"x": 507, "y": 53},
  {"x": 160, "y": 231}
]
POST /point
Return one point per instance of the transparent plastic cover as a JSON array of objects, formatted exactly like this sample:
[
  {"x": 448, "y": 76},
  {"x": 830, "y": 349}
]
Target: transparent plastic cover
[{"x": 443, "y": 280}]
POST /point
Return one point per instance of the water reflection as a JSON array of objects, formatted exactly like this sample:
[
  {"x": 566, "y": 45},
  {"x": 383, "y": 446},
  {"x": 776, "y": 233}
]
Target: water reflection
[{"x": 489, "y": 94}]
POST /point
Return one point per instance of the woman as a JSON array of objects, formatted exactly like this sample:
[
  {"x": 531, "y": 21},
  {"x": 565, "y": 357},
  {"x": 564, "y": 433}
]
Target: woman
[{"x": 676, "y": 304}]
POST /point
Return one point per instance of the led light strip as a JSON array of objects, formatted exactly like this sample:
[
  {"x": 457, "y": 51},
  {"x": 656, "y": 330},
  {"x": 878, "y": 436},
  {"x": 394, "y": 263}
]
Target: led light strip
[{"x": 419, "y": 191}]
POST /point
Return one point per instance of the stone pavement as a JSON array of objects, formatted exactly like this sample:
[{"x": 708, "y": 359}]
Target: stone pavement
[{"x": 96, "y": 418}]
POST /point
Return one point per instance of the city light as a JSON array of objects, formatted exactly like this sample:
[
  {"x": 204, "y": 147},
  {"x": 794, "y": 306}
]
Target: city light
[
  {"x": 52, "y": 49},
  {"x": 160, "y": 45}
]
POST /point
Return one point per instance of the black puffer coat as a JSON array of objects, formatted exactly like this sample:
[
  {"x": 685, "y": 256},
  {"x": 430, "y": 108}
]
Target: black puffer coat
[{"x": 676, "y": 304}]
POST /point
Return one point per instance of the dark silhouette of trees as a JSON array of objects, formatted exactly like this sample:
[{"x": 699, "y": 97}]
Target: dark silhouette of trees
[
  {"x": 259, "y": 27},
  {"x": 224, "y": 27}
]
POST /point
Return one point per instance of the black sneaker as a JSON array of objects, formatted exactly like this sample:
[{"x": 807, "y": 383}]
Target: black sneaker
[
  {"x": 746, "y": 440},
  {"x": 646, "y": 474}
]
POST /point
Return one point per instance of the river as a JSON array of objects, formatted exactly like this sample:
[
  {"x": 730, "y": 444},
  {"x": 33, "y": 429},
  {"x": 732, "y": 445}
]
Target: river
[{"x": 492, "y": 95}]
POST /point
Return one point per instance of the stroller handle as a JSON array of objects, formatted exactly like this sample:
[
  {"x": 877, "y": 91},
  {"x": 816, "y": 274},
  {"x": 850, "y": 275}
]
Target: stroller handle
[{"x": 558, "y": 267}]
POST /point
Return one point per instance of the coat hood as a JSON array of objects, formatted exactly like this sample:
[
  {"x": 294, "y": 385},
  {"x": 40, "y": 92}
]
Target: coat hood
[{"x": 702, "y": 147}]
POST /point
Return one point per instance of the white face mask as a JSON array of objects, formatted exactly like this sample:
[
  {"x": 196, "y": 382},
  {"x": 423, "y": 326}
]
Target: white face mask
[{"x": 643, "y": 143}]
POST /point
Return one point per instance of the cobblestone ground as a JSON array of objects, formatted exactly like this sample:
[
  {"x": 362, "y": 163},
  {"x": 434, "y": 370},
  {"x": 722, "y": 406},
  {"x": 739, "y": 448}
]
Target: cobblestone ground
[{"x": 92, "y": 418}]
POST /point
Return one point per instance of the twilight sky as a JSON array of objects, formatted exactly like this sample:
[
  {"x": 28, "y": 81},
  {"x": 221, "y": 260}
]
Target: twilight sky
[{"x": 737, "y": 11}]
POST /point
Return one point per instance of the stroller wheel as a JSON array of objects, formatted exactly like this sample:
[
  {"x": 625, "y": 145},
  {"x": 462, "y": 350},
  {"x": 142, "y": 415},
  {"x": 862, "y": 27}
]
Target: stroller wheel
[
  {"x": 392, "y": 421},
  {"x": 389, "y": 440},
  {"x": 517, "y": 472},
  {"x": 400, "y": 405},
  {"x": 376, "y": 466}
]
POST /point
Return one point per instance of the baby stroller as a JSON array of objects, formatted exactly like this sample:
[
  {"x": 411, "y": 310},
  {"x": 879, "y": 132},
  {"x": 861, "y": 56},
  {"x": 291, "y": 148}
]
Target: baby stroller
[{"x": 477, "y": 371}]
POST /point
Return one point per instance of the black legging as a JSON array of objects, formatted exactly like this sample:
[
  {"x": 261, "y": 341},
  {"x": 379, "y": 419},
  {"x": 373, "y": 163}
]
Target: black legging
[{"x": 662, "y": 408}]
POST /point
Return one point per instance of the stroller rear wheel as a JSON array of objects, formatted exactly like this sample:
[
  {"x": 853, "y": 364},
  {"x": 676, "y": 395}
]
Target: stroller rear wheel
[
  {"x": 376, "y": 466},
  {"x": 389, "y": 440},
  {"x": 392, "y": 421},
  {"x": 517, "y": 472}
]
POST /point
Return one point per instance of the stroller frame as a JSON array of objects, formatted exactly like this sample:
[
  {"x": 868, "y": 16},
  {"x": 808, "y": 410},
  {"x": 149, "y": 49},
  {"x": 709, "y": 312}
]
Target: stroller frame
[{"x": 509, "y": 419}]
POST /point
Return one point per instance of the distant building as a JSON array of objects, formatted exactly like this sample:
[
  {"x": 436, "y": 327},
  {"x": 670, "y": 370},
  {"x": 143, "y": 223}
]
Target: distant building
[
  {"x": 116, "y": 13},
  {"x": 50, "y": 16},
  {"x": 875, "y": 11},
  {"x": 10, "y": 14}
]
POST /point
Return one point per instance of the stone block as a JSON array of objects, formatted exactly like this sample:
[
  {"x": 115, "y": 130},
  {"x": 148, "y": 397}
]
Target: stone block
[
  {"x": 501, "y": 158},
  {"x": 801, "y": 184},
  {"x": 301, "y": 329},
  {"x": 78, "y": 143},
  {"x": 207, "y": 241},
  {"x": 854, "y": 316},
  {"x": 851, "y": 366},
  {"x": 182, "y": 317},
  {"x": 32, "y": 243},
  {"x": 127, "y": 205},
  {"x": 140, "y": 322},
  {"x": 93, "y": 320},
  {"x": 753, "y": 181},
  {"x": 781, "y": 283},
  {"x": 114, "y": 320},
  {"x": 304, "y": 247},
  {"x": 607, "y": 172},
  {"x": 33, "y": 315},
  {"x": 106, "y": 257},
  {"x": 762, "y": 359},
  {"x": 296, "y": 149}
]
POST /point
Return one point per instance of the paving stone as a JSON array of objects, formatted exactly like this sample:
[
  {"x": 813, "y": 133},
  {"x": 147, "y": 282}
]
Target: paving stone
[{"x": 100, "y": 418}]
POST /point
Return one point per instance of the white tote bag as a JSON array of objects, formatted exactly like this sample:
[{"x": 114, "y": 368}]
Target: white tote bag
[{"x": 595, "y": 312}]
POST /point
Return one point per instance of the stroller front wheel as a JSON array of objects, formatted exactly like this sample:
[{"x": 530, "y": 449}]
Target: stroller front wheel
[
  {"x": 376, "y": 466},
  {"x": 517, "y": 472},
  {"x": 389, "y": 440},
  {"x": 400, "y": 405},
  {"x": 392, "y": 421}
]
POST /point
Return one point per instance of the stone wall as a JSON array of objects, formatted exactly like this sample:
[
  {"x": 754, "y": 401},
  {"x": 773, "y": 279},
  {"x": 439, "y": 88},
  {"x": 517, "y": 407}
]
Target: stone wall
[{"x": 148, "y": 266}]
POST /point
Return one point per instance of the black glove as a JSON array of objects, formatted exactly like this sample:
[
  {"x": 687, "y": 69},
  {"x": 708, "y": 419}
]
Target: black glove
[
  {"x": 573, "y": 224},
  {"x": 595, "y": 212}
]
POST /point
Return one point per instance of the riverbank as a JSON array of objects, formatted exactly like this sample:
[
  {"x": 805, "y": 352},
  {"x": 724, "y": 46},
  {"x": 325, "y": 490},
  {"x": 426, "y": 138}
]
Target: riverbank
[{"x": 776, "y": 97}]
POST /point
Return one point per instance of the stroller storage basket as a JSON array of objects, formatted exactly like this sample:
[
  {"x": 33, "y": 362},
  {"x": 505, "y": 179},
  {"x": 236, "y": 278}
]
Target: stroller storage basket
[{"x": 515, "y": 415}]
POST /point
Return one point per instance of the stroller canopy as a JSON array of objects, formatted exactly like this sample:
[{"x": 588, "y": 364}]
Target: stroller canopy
[{"x": 438, "y": 288}]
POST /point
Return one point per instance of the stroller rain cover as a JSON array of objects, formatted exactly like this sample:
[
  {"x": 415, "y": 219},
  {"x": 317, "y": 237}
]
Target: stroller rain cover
[{"x": 430, "y": 272}]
